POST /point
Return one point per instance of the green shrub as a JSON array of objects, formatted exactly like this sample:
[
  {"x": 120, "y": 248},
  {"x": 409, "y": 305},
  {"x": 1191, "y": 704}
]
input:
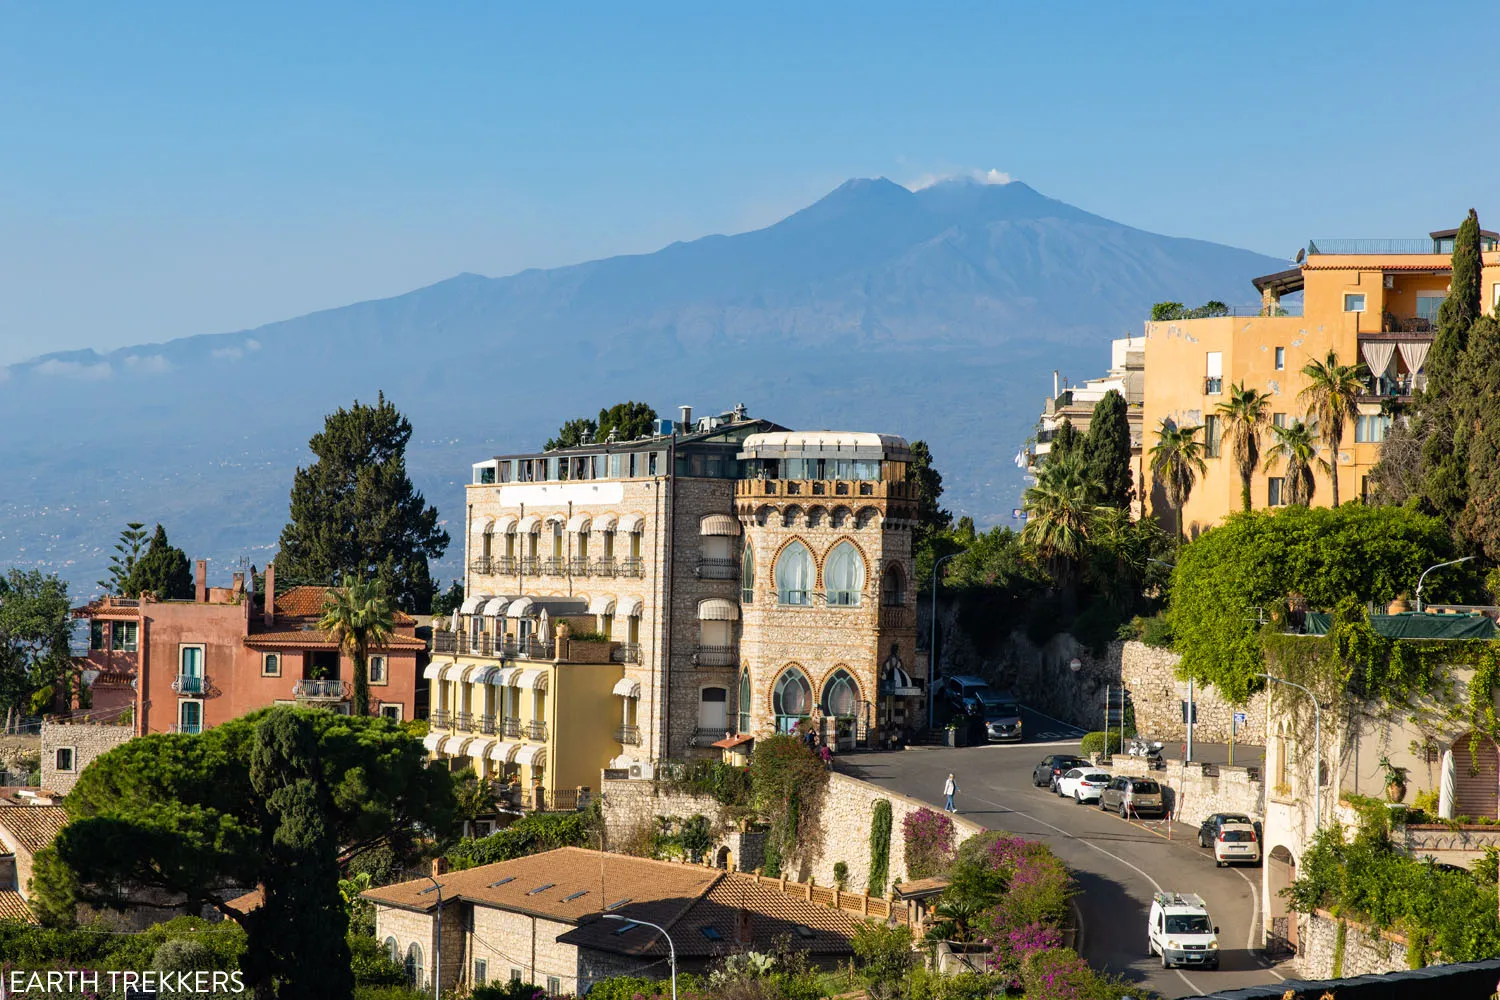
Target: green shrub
[
  {"x": 880, "y": 847},
  {"x": 724, "y": 783},
  {"x": 513, "y": 989},
  {"x": 1095, "y": 743},
  {"x": 528, "y": 835},
  {"x": 1154, "y": 631},
  {"x": 841, "y": 875},
  {"x": 884, "y": 952},
  {"x": 589, "y": 637},
  {"x": 372, "y": 965}
]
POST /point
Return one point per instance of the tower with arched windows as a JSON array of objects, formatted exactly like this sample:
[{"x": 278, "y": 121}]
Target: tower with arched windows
[{"x": 827, "y": 605}]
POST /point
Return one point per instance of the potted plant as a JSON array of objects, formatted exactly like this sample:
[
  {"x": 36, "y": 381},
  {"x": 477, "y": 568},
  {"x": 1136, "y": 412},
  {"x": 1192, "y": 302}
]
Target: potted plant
[
  {"x": 953, "y": 734},
  {"x": 1395, "y": 780}
]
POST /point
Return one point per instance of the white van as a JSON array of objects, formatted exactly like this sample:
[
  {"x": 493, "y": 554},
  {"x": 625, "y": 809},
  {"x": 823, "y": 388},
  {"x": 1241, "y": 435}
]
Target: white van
[{"x": 1180, "y": 931}]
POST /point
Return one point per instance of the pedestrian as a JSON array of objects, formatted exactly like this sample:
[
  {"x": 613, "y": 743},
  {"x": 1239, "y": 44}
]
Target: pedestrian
[
  {"x": 827, "y": 756},
  {"x": 950, "y": 788}
]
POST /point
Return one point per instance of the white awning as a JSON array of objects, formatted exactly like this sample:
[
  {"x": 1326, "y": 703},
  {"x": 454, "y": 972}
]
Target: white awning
[
  {"x": 454, "y": 671},
  {"x": 578, "y": 522},
  {"x": 472, "y": 604},
  {"x": 605, "y": 522},
  {"x": 503, "y": 751},
  {"x": 494, "y": 607},
  {"x": 533, "y": 678},
  {"x": 432, "y": 741},
  {"x": 1378, "y": 355},
  {"x": 603, "y": 604},
  {"x": 631, "y": 522},
  {"x": 717, "y": 609},
  {"x": 481, "y": 674},
  {"x": 628, "y": 607},
  {"x": 519, "y": 608},
  {"x": 505, "y": 524},
  {"x": 530, "y": 752},
  {"x": 555, "y": 516},
  {"x": 503, "y": 676},
  {"x": 435, "y": 668},
  {"x": 456, "y": 745},
  {"x": 1414, "y": 354},
  {"x": 479, "y": 749},
  {"x": 719, "y": 524},
  {"x": 528, "y": 524},
  {"x": 628, "y": 687}
]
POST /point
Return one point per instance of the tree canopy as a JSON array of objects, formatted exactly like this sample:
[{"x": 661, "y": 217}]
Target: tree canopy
[
  {"x": 272, "y": 799},
  {"x": 162, "y": 569},
  {"x": 1106, "y": 448},
  {"x": 627, "y": 421},
  {"x": 358, "y": 618},
  {"x": 1167, "y": 311},
  {"x": 1249, "y": 567},
  {"x": 127, "y": 550},
  {"x": 35, "y": 663},
  {"x": 356, "y": 514}
]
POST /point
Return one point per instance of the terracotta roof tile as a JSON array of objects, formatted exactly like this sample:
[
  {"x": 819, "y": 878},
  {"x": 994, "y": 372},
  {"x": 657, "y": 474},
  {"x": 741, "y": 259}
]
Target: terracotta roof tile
[
  {"x": 32, "y": 828},
  {"x": 252, "y": 900},
  {"x": 307, "y": 602},
  {"x": 309, "y": 637},
  {"x": 13, "y": 907}
]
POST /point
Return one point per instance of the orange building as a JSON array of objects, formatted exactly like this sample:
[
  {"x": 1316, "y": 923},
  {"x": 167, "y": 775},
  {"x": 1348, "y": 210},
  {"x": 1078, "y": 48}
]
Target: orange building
[
  {"x": 1369, "y": 301},
  {"x": 186, "y": 665}
]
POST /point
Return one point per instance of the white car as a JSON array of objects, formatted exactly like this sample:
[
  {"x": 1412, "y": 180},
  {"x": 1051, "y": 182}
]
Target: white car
[
  {"x": 1181, "y": 932},
  {"x": 1236, "y": 842},
  {"x": 1082, "y": 784}
]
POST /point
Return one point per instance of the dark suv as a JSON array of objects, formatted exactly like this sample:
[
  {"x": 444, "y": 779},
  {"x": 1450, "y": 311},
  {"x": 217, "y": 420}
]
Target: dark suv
[{"x": 1054, "y": 766}]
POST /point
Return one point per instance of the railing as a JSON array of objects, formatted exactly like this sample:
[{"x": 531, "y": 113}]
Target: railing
[
  {"x": 439, "y": 720},
  {"x": 504, "y": 565},
  {"x": 896, "y": 617},
  {"x": 464, "y": 721},
  {"x": 1408, "y": 324},
  {"x": 510, "y": 727},
  {"x": 706, "y": 737},
  {"x": 1375, "y": 246},
  {"x": 555, "y": 566},
  {"x": 530, "y": 564},
  {"x": 1213, "y": 386},
  {"x": 480, "y": 565},
  {"x": 632, "y": 566},
  {"x": 445, "y": 642},
  {"x": 603, "y": 567},
  {"x": 716, "y": 656},
  {"x": 1401, "y": 385},
  {"x": 626, "y": 652},
  {"x": 536, "y": 731},
  {"x": 628, "y": 735},
  {"x": 321, "y": 689},
  {"x": 529, "y": 648},
  {"x": 190, "y": 728},
  {"x": 487, "y": 725},
  {"x": 187, "y": 684},
  {"x": 578, "y": 566},
  {"x": 838, "y": 487},
  {"x": 718, "y": 569}
]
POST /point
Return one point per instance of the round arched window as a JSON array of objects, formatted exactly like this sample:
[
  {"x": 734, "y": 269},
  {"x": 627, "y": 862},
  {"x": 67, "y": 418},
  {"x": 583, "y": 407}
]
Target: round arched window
[
  {"x": 794, "y": 575},
  {"x": 744, "y": 703},
  {"x": 841, "y": 695},
  {"x": 793, "y": 694},
  {"x": 844, "y": 576},
  {"x": 413, "y": 966}
]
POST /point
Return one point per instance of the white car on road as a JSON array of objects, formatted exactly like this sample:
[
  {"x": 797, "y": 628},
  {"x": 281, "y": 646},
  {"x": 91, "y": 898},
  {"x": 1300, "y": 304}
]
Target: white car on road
[
  {"x": 1236, "y": 842},
  {"x": 1181, "y": 932},
  {"x": 1082, "y": 784}
]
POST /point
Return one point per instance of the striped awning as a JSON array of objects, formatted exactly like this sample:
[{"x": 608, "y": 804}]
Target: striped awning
[
  {"x": 602, "y": 604},
  {"x": 481, "y": 673},
  {"x": 605, "y": 522},
  {"x": 505, "y": 524},
  {"x": 503, "y": 752},
  {"x": 718, "y": 609},
  {"x": 628, "y": 607},
  {"x": 628, "y": 687},
  {"x": 519, "y": 608},
  {"x": 435, "y": 668},
  {"x": 433, "y": 742},
  {"x": 719, "y": 524},
  {"x": 471, "y": 605},
  {"x": 494, "y": 607},
  {"x": 528, "y": 524},
  {"x": 504, "y": 676},
  {"x": 457, "y": 745},
  {"x": 631, "y": 522},
  {"x": 578, "y": 522},
  {"x": 532, "y": 678},
  {"x": 479, "y": 749},
  {"x": 530, "y": 752},
  {"x": 454, "y": 671},
  {"x": 556, "y": 517}
]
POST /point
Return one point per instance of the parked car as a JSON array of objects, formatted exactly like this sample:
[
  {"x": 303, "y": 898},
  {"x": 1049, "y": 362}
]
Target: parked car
[
  {"x": 1002, "y": 715},
  {"x": 1236, "y": 842},
  {"x": 1208, "y": 831},
  {"x": 1054, "y": 766},
  {"x": 962, "y": 692},
  {"x": 1082, "y": 784},
  {"x": 1180, "y": 930},
  {"x": 1133, "y": 797}
]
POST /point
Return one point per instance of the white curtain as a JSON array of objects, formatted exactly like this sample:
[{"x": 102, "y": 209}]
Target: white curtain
[
  {"x": 1415, "y": 354},
  {"x": 1378, "y": 354},
  {"x": 794, "y": 574},
  {"x": 844, "y": 575}
]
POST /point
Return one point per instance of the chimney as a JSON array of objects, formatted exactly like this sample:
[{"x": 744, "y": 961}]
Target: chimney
[
  {"x": 1056, "y": 389},
  {"x": 200, "y": 582},
  {"x": 687, "y": 418},
  {"x": 237, "y": 588},
  {"x": 270, "y": 606},
  {"x": 439, "y": 866},
  {"x": 744, "y": 931}
]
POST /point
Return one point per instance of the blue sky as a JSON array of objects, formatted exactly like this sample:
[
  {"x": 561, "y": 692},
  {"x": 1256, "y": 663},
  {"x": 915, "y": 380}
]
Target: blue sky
[{"x": 177, "y": 169}]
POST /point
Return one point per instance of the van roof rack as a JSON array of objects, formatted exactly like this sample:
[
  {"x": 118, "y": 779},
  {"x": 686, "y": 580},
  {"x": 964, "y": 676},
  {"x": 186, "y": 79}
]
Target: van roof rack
[{"x": 1181, "y": 899}]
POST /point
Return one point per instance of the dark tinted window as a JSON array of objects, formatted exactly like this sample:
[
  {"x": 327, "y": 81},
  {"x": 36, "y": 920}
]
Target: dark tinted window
[
  {"x": 1238, "y": 837},
  {"x": 1188, "y": 923},
  {"x": 1145, "y": 787}
]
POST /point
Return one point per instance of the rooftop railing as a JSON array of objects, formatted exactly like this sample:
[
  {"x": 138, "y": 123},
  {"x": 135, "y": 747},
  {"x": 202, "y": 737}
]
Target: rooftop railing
[{"x": 1372, "y": 246}]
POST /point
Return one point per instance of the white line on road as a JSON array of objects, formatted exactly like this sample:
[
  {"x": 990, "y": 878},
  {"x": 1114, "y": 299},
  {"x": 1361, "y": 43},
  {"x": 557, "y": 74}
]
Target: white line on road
[
  {"x": 1067, "y": 725},
  {"x": 1088, "y": 843},
  {"x": 1255, "y": 920}
]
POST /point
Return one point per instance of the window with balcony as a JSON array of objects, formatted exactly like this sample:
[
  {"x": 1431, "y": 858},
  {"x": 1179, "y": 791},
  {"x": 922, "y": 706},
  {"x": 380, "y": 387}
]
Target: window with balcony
[
  {"x": 747, "y": 574},
  {"x": 1275, "y": 487},
  {"x": 375, "y": 669},
  {"x": 1428, "y": 306},
  {"x": 893, "y": 588},
  {"x": 844, "y": 576},
  {"x": 717, "y": 559},
  {"x": 270, "y": 665},
  {"x": 713, "y": 719},
  {"x": 124, "y": 636},
  {"x": 794, "y": 575},
  {"x": 190, "y": 717},
  {"x": 715, "y": 644},
  {"x": 1211, "y": 436},
  {"x": 1213, "y": 373},
  {"x": 1354, "y": 302},
  {"x": 190, "y": 670}
]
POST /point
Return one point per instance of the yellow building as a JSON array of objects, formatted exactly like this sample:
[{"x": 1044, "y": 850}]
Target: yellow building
[{"x": 1371, "y": 301}]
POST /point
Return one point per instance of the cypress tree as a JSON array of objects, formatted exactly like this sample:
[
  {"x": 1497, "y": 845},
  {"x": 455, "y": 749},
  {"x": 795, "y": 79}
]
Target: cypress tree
[
  {"x": 163, "y": 570},
  {"x": 1478, "y": 415},
  {"x": 1445, "y": 437},
  {"x": 1106, "y": 450},
  {"x": 1065, "y": 441}
]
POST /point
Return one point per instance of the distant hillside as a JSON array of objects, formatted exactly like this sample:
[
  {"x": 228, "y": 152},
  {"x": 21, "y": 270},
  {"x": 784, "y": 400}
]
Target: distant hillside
[{"x": 935, "y": 314}]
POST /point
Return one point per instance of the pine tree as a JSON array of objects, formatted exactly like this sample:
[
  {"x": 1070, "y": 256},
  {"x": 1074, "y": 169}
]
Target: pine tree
[
  {"x": 355, "y": 513},
  {"x": 1445, "y": 435},
  {"x": 163, "y": 570},
  {"x": 628, "y": 421},
  {"x": 127, "y": 550},
  {"x": 1106, "y": 449}
]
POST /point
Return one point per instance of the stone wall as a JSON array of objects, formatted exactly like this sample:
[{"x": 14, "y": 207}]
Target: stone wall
[
  {"x": 629, "y": 804},
  {"x": 1192, "y": 795},
  {"x": 1366, "y": 951},
  {"x": 87, "y": 740},
  {"x": 19, "y": 753},
  {"x": 1150, "y": 674}
]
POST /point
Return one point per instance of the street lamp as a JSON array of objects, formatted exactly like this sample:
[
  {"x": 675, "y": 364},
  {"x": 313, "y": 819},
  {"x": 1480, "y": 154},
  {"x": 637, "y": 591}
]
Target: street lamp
[
  {"x": 671, "y": 950},
  {"x": 437, "y": 948},
  {"x": 932, "y": 643},
  {"x": 1317, "y": 748},
  {"x": 1429, "y": 569}
]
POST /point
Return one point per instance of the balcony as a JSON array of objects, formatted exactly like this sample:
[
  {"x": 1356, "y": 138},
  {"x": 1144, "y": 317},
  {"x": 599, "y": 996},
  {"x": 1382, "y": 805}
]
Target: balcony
[
  {"x": 632, "y": 566},
  {"x": 1213, "y": 386},
  {"x": 629, "y": 736},
  {"x": 188, "y": 684},
  {"x": 716, "y": 656},
  {"x": 321, "y": 690},
  {"x": 535, "y": 731},
  {"x": 897, "y": 616},
  {"x": 578, "y": 566},
  {"x": 1397, "y": 387},
  {"x": 504, "y": 565},
  {"x": 464, "y": 721},
  {"x": 487, "y": 725},
  {"x": 718, "y": 569},
  {"x": 531, "y": 565},
  {"x": 827, "y": 487},
  {"x": 440, "y": 720},
  {"x": 483, "y": 564},
  {"x": 189, "y": 728},
  {"x": 626, "y": 652},
  {"x": 510, "y": 727},
  {"x": 555, "y": 566},
  {"x": 525, "y": 648},
  {"x": 603, "y": 567},
  {"x": 1399, "y": 246},
  {"x": 707, "y": 737}
]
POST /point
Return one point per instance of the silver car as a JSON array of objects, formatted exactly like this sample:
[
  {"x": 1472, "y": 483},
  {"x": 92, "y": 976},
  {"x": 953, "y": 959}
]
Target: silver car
[{"x": 1133, "y": 797}]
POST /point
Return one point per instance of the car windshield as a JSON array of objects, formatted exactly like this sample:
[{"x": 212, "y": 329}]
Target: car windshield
[
  {"x": 1145, "y": 787},
  {"x": 1237, "y": 836},
  {"x": 1188, "y": 923}
]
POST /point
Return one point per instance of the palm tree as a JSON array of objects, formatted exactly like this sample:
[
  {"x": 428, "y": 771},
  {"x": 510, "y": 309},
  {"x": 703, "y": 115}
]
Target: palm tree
[
  {"x": 1331, "y": 397},
  {"x": 1246, "y": 414},
  {"x": 1177, "y": 462},
  {"x": 1060, "y": 513},
  {"x": 357, "y": 617},
  {"x": 1297, "y": 444}
]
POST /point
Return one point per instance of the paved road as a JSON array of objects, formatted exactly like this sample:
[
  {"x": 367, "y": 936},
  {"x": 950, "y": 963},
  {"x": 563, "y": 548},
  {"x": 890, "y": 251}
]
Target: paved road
[{"x": 1117, "y": 864}]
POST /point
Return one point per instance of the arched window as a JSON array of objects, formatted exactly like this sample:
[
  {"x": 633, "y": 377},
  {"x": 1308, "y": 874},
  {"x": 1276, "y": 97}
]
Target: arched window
[
  {"x": 413, "y": 966},
  {"x": 794, "y": 575},
  {"x": 792, "y": 699},
  {"x": 747, "y": 574},
  {"x": 893, "y": 588},
  {"x": 841, "y": 695},
  {"x": 844, "y": 576},
  {"x": 393, "y": 950},
  {"x": 489, "y": 540},
  {"x": 744, "y": 703}
]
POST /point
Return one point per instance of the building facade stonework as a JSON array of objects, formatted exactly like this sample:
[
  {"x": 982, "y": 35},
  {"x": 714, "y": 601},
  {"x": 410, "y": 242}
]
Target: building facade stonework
[{"x": 69, "y": 747}]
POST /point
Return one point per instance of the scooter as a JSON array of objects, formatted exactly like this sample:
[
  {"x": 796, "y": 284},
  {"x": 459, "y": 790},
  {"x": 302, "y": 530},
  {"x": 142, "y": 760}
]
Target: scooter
[{"x": 1150, "y": 751}]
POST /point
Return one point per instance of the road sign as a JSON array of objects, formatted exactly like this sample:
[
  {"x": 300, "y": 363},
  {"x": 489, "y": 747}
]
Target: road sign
[
  {"x": 1185, "y": 705},
  {"x": 1240, "y": 718},
  {"x": 1018, "y": 513}
]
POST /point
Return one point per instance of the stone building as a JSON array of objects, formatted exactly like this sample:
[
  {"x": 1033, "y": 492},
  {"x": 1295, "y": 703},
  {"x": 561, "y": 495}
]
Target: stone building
[
  {"x": 24, "y": 830},
  {"x": 69, "y": 747}
]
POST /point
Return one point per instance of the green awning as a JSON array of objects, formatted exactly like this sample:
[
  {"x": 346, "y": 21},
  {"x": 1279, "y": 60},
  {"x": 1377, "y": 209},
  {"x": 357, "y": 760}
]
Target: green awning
[{"x": 1415, "y": 626}]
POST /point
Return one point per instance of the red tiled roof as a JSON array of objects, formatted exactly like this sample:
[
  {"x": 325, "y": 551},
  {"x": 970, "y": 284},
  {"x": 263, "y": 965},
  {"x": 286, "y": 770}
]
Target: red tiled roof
[
  {"x": 32, "y": 828},
  {"x": 13, "y": 907},
  {"x": 307, "y": 602},
  {"x": 311, "y": 637},
  {"x": 252, "y": 900},
  {"x": 98, "y": 609}
]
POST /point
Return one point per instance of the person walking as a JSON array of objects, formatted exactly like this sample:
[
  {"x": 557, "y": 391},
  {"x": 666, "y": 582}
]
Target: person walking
[{"x": 950, "y": 788}]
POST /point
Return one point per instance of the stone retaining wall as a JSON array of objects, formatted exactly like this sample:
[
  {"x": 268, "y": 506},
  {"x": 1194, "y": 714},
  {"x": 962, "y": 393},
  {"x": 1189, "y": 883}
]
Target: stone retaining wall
[
  {"x": 1366, "y": 951},
  {"x": 1150, "y": 674},
  {"x": 1192, "y": 795}
]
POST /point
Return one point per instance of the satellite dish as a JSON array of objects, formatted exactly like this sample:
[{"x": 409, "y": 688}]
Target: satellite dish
[{"x": 1301, "y": 255}]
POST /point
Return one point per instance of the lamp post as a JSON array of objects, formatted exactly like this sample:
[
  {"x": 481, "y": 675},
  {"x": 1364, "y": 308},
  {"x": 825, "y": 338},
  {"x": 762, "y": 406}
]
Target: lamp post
[
  {"x": 932, "y": 643},
  {"x": 437, "y": 947},
  {"x": 1317, "y": 748},
  {"x": 671, "y": 949},
  {"x": 1429, "y": 569}
]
